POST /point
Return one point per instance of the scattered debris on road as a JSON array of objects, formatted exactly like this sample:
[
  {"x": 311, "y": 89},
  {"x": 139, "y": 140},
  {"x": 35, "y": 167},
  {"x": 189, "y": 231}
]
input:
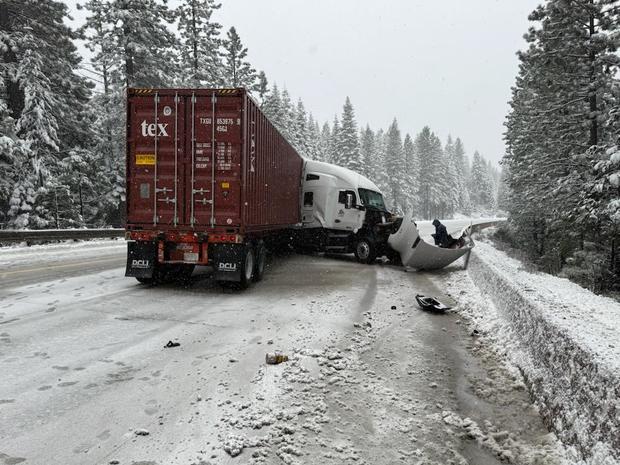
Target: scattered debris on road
[
  {"x": 275, "y": 358},
  {"x": 172, "y": 344},
  {"x": 430, "y": 304}
]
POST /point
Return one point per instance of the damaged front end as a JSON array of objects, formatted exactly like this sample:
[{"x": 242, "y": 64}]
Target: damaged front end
[{"x": 416, "y": 253}]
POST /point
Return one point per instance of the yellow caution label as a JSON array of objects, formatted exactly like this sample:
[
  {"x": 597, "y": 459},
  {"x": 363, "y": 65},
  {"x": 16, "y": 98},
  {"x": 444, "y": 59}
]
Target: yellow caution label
[
  {"x": 225, "y": 185},
  {"x": 145, "y": 158}
]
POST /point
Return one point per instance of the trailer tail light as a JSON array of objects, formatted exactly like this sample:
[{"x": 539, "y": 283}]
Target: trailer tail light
[
  {"x": 141, "y": 235},
  {"x": 228, "y": 238},
  {"x": 160, "y": 252}
]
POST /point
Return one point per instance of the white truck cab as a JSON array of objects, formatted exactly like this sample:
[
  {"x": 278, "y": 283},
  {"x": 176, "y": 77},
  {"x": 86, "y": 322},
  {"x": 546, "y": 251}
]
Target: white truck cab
[{"x": 342, "y": 212}]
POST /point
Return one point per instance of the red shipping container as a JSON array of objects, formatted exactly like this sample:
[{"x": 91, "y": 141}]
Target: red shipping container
[{"x": 209, "y": 161}]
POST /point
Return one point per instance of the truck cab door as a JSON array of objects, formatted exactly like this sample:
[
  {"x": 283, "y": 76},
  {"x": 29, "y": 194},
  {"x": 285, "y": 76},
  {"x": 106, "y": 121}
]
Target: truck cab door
[
  {"x": 348, "y": 216},
  {"x": 307, "y": 208}
]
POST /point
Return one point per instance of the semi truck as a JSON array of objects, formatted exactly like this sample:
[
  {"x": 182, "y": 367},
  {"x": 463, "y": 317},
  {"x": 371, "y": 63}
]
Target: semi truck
[
  {"x": 343, "y": 212},
  {"x": 211, "y": 181}
]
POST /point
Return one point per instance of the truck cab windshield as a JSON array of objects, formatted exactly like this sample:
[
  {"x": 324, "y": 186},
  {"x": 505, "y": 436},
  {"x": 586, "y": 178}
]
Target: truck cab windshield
[{"x": 372, "y": 199}]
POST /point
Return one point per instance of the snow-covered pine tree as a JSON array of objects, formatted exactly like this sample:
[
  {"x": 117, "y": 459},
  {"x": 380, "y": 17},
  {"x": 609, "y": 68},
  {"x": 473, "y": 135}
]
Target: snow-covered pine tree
[
  {"x": 559, "y": 115},
  {"x": 313, "y": 140},
  {"x": 395, "y": 167},
  {"x": 324, "y": 143},
  {"x": 348, "y": 151},
  {"x": 380, "y": 175},
  {"x": 46, "y": 97},
  {"x": 412, "y": 174},
  {"x": 136, "y": 29},
  {"x": 237, "y": 71},
  {"x": 299, "y": 130},
  {"x": 367, "y": 151},
  {"x": 334, "y": 142},
  {"x": 428, "y": 153},
  {"x": 461, "y": 162},
  {"x": 199, "y": 48},
  {"x": 287, "y": 116},
  {"x": 481, "y": 186},
  {"x": 14, "y": 154},
  {"x": 262, "y": 87},
  {"x": 450, "y": 179},
  {"x": 272, "y": 107}
]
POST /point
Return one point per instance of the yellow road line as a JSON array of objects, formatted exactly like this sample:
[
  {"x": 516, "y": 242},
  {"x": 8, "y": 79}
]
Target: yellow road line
[{"x": 66, "y": 265}]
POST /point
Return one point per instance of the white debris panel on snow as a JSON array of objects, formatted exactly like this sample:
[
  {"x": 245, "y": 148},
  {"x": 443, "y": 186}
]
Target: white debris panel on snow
[{"x": 562, "y": 337}]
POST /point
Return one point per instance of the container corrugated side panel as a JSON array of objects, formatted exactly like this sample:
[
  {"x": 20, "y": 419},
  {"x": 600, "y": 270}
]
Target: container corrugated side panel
[{"x": 273, "y": 174}]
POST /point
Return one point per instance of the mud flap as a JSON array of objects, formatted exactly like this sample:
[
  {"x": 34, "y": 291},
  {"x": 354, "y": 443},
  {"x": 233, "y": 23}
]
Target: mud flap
[
  {"x": 226, "y": 259},
  {"x": 141, "y": 259}
]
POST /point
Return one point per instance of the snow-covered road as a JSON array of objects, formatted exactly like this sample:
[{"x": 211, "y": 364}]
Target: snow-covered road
[{"x": 371, "y": 378}]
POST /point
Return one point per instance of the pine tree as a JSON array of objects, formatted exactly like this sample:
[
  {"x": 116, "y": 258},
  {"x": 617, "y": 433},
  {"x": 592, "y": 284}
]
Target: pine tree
[
  {"x": 237, "y": 71},
  {"x": 324, "y": 143},
  {"x": 334, "y": 143},
  {"x": 412, "y": 174},
  {"x": 199, "y": 48},
  {"x": 395, "y": 167},
  {"x": 14, "y": 154},
  {"x": 313, "y": 140},
  {"x": 483, "y": 194},
  {"x": 461, "y": 163},
  {"x": 272, "y": 107},
  {"x": 137, "y": 29},
  {"x": 428, "y": 153},
  {"x": 451, "y": 181},
  {"x": 348, "y": 154},
  {"x": 367, "y": 152},
  {"x": 299, "y": 131},
  {"x": 262, "y": 87},
  {"x": 380, "y": 175},
  {"x": 45, "y": 96},
  {"x": 559, "y": 117}
]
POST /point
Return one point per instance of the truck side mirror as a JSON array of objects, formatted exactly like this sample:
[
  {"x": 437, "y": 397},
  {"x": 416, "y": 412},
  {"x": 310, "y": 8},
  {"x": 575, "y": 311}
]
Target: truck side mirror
[{"x": 349, "y": 202}]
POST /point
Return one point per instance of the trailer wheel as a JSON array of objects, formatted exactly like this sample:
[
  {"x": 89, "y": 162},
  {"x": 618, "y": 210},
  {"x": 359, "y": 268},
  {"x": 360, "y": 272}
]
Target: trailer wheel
[
  {"x": 145, "y": 280},
  {"x": 365, "y": 250},
  {"x": 261, "y": 260},
  {"x": 247, "y": 267}
]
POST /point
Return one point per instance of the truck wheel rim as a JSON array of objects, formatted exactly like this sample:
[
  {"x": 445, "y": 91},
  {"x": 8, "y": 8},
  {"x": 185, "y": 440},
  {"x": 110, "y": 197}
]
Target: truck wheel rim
[
  {"x": 249, "y": 265},
  {"x": 363, "y": 250}
]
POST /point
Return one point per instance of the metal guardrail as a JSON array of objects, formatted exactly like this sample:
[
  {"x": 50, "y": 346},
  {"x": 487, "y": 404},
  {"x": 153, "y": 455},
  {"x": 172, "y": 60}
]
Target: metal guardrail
[
  {"x": 488, "y": 224},
  {"x": 44, "y": 235}
]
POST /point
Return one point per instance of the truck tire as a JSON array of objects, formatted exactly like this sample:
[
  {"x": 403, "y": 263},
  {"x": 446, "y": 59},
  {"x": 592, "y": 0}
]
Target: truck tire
[
  {"x": 261, "y": 261},
  {"x": 145, "y": 280},
  {"x": 365, "y": 250},
  {"x": 247, "y": 267}
]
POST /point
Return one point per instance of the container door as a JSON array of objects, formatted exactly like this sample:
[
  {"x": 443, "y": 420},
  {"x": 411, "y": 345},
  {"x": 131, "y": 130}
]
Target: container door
[
  {"x": 213, "y": 161},
  {"x": 155, "y": 159}
]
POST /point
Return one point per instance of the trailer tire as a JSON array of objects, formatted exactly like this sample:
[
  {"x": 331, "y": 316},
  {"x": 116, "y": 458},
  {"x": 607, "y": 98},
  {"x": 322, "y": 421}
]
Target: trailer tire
[
  {"x": 261, "y": 261},
  {"x": 365, "y": 250},
  {"x": 145, "y": 280},
  {"x": 247, "y": 267}
]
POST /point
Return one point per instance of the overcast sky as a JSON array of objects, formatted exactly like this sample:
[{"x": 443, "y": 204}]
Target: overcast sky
[{"x": 447, "y": 64}]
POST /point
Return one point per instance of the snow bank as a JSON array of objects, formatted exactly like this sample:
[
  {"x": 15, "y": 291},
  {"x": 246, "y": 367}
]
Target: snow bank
[
  {"x": 564, "y": 339},
  {"x": 17, "y": 254}
]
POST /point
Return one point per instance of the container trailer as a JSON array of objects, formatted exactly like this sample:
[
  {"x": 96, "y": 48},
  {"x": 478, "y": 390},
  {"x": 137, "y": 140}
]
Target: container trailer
[{"x": 209, "y": 181}]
